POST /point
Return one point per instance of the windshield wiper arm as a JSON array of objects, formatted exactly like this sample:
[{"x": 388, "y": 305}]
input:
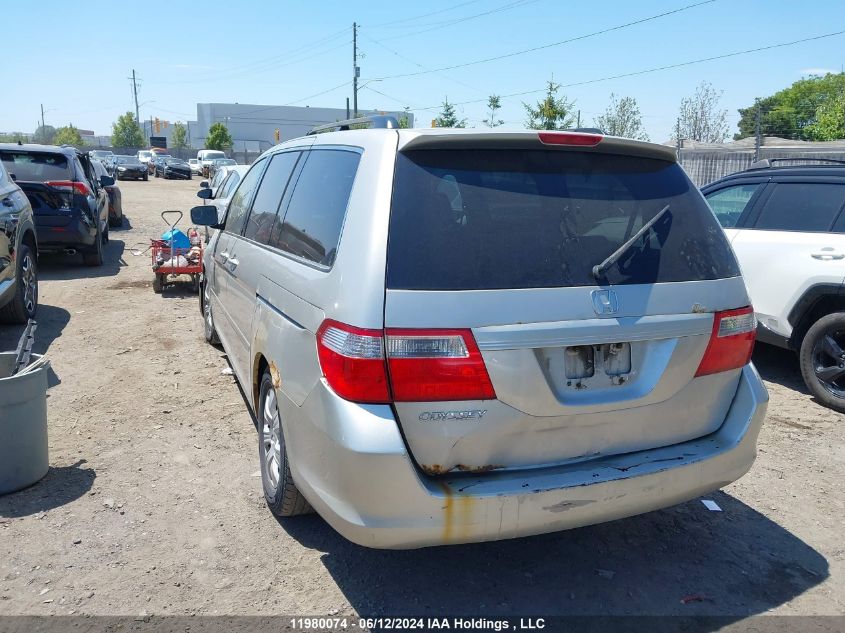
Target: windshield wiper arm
[{"x": 599, "y": 269}]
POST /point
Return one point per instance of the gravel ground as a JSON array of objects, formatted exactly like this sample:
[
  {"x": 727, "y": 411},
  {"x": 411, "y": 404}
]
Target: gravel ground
[{"x": 153, "y": 502}]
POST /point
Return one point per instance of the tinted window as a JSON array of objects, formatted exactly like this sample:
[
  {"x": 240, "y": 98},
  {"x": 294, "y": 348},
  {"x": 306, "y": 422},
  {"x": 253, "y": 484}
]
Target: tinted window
[
  {"x": 317, "y": 206},
  {"x": 729, "y": 203},
  {"x": 239, "y": 205},
  {"x": 537, "y": 219},
  {"x": 36, "y": 166},
  {"x": 269, "y": 195},
  {"x": 802, "y": 207},
  {"x": 229, "y": 185}
]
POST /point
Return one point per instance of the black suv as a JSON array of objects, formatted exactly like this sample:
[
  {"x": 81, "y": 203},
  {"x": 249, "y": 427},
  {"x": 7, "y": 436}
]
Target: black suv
[
  {"x": 785, "y": 218},
  {"x": 69, "y": 201}
]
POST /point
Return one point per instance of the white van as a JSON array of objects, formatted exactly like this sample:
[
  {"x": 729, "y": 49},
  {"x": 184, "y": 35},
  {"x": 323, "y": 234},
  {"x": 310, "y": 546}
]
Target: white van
[{"x": 205, "y": 156}]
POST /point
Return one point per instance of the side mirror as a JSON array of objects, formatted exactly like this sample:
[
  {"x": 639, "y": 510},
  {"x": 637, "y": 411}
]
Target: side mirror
[
  {"x": 204, "y": 184},
  {"x": 205, "y": 215},
  {"x": 106, "y": 181},
  {"x": 205, "y": 194}
]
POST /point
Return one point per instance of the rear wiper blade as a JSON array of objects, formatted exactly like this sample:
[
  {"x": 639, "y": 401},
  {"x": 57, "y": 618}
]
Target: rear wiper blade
[{"x": 600, "y": 269}]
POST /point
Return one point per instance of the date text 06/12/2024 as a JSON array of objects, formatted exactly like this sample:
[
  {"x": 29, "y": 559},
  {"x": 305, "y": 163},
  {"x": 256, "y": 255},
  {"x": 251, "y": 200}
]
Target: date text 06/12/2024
[{"x": 416, "y": 624}]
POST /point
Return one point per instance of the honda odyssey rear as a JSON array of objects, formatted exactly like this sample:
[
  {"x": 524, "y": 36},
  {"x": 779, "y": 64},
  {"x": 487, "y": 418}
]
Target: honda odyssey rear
[{"x": 507, "y": 333}]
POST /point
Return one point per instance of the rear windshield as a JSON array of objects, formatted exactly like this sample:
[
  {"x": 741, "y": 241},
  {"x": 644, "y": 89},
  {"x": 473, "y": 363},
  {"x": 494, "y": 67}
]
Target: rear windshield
[
  {"x": 36, "y": 166},
  {"x": 494, "y": 219}
]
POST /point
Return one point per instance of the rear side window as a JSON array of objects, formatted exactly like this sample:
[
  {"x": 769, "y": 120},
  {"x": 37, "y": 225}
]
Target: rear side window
[
  {"x": 801, "y": 206},
  {"x": 269, "y": 197},
  {"x": 239, "y": 204},
  {"x": 36, "y": 166},
  {"x": 317, "y": 207},
  {"x": 495, "y": 219},
  {"x": 729, "y": 203}
]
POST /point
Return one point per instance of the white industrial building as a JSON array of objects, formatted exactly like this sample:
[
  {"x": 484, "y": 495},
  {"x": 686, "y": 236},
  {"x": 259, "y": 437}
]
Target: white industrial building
[{"x": 253, "y": 126}]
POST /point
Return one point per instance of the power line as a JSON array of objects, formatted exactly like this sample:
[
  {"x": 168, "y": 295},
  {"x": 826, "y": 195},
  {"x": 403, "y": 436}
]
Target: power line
[
  {"x": 318, "y": 94},
  {"x": 442, "y": 25},
  {"x": 426, "y": 15},
  {"x": 553, "y": 44},
  {"x": 667, "y": 67}
]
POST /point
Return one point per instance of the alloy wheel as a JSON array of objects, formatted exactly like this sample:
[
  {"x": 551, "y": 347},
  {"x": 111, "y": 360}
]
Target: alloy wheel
[
  {"x": 29, "y": 279},
  {"x": 829, "y": 361},
  {"x": 271, "y": 436}
]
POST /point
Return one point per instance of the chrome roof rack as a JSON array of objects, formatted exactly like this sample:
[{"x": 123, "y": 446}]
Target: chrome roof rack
[{"x": 371, "y": 121}]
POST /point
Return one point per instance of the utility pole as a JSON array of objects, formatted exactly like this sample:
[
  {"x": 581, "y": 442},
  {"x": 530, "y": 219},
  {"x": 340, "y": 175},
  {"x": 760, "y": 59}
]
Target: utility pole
[
  {"x": 42, "y": 118},
  {"x": 355, "y": 70},
  {"x": 579, "y": 119},
  {"x": 347, "y": 107},
  {"x": 757, "y": 136},
  {"x": 135, "y": 92}
]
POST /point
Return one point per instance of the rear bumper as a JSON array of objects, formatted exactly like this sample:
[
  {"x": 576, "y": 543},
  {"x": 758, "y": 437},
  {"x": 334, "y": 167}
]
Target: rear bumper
[
  {"x": 76, "y": 234},
  {"x": 352, "y": 465}
]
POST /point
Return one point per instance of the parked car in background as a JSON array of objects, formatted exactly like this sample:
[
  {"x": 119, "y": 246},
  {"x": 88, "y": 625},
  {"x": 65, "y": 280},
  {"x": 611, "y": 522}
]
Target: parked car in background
[
  {"x": 130, "y": 168},
  {"x": 172, "y": 168},
  {"x": 196, "y": 167},
  {"x": 157, "y": 159},
  {"x": 18, "y": 254},
  {"x": 69, "y": 202},
  {"x": 217, "y": 163},
  {"x": 215, "y": 183},
  {"x": 450, "y": 336},
  {"x": 222, "y": 193},
  {"x": 145, "y": 156},
  {"x": 106, "y": 157},
  {"x": 115, "y": 197},
  {"x": 786, "y": 223},
  {"x": 205, "y": 156}
]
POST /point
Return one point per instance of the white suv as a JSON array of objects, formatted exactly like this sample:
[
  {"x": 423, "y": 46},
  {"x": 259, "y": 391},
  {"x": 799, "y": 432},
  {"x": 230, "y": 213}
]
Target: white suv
[
  {"x": 787, "y": 227},
  {"x": 459, "y": 335}
]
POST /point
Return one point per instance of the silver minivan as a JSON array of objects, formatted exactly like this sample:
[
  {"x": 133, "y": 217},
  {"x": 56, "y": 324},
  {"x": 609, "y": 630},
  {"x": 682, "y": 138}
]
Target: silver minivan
[{"x": 450, "y": 336}]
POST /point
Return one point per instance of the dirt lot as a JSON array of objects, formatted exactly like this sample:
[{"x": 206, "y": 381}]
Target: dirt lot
[{"x": 153, "y": 502}]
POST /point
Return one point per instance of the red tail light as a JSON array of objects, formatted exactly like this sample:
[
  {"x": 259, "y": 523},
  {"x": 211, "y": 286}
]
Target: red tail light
[
  {"x": 70, "y": 186},
  {"x": 352, "y": 360},
  {"x": 731, "y": 341},
  {"x": 427, "y": 365},
  {"x": 570, "y": 138},
  {"x": 417, "y": 366}
]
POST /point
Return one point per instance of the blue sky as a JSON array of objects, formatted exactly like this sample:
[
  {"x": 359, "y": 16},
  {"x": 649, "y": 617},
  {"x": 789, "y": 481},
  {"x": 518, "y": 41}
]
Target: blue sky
[{"x": 289, "y": 51}]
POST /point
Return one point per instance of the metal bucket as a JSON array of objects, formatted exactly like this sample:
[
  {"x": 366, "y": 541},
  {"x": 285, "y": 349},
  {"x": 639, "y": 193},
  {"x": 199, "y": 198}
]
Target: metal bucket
[{"x": 23, "y": 425}]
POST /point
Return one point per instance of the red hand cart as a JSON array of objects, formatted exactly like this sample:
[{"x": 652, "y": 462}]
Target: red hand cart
[{"x": 169, "y": 262}]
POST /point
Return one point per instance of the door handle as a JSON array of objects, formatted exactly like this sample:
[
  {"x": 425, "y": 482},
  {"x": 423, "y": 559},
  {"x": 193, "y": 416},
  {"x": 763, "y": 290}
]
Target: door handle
[
  {"x": 827, "y": 254},
  {"x": 233, "y": 263}
]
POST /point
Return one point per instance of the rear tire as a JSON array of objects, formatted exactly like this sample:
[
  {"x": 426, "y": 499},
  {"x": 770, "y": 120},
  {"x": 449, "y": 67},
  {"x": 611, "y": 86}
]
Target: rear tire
[
  {"x": 116, "y": 222},
  {"x": 146, "y": 177},
  {"x": 208, "y": 318},
  {"x": 25, "y": 302},
  {"x": 94, "y": 257},
  {"x": 822, "y": 356},
  {"x": 281, "y": 494}
]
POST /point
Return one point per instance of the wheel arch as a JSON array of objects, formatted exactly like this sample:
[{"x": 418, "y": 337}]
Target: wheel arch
[
  {"x": 28, "y": 238},
  {"x": 818, "y": 301}
]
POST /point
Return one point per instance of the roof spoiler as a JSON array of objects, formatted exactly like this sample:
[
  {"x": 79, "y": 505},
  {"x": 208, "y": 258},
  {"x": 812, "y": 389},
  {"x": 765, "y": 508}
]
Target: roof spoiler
[
  {"x": 770, "y": 162},
  {"x": 374, "y": 121}
]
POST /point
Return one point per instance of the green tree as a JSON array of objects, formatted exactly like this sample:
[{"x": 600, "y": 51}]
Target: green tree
[
  {"x": 830, "y": 120},
  {"x": 405, "y": 118},
  {"x": 218, "y": 137},
  {"x": 14, "y": 137},
  {"x": 179, "y": 136},
  {"x": 494, "y": 104},
  {"x": 794, "y": 111},
  {"x": 68, "y": 135},
  {"x": 700, "y": 118},
  {"x": 44, "y": 134},
  {"x": 448, "y": 117},
  {"x": 552, "y": 113},
  {"x": 622, "y": 118},
  {"x": 125, "y": 132}
]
